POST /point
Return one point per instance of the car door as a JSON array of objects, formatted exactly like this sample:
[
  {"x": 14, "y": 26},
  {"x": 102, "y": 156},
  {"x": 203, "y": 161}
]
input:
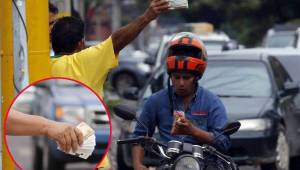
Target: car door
[{"x": 289, "y": 106}]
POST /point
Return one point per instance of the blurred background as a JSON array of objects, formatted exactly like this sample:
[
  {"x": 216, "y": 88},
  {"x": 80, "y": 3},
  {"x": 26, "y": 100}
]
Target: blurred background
[
  {"x": 245, "y": 21},
  {"x": 266, "y": 31}
]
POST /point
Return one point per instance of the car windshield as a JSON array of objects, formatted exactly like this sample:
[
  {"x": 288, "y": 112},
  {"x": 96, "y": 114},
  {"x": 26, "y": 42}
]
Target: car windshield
[
  {"x": 229, "y": 79},
  {"x": 281, "y": 40},
  {"x": 237, "y": 78}
]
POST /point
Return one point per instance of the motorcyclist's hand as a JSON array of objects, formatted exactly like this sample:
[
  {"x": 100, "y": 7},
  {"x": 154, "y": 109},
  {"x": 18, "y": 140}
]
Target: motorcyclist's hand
[
  {"x": 182, "y": 127},
  {"x": 156, "y": 7},
  {"x": 67, "y": 136}
]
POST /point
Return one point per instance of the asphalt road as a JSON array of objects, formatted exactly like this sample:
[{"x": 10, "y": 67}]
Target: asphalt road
[{"x": 22, "y": 151}]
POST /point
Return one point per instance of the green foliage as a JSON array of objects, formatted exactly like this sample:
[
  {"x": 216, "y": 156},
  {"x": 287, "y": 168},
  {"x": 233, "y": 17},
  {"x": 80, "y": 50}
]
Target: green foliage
[
  {"x": 245, "y": 20},
  {"x": 294, "y": 21}
]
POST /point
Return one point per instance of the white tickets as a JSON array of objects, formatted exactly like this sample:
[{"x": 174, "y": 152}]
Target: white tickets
[
  {"x": 86, "y": 130},
  {"x": 87, "y": 148},
  {"x": 89, "y": 141},
  {"x": 176, "y": 4}
]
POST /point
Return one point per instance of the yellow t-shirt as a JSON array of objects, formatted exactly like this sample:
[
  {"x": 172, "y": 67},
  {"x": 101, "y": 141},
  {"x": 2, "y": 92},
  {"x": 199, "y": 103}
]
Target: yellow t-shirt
[{"x": 89, "y": 66}]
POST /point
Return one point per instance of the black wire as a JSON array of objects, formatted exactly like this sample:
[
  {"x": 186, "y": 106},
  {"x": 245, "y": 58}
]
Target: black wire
[
  {"x": 22, "y": 19},
  {"x": 26, "y": 32},
  {"x": 15, "y": 85},
  {"x": 170, "y": 92}
]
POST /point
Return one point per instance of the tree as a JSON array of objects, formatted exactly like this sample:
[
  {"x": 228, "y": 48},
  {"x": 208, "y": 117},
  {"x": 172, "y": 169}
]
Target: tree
[{"x": 245, "y": 20}]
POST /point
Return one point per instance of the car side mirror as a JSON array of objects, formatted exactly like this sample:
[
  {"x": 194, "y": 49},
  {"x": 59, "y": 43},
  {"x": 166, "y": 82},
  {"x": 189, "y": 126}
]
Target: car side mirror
[
  {"x": 290, "y": 89},
  {"x": 131, "y": 93},
  {"x": 150, "y": 60},
  {"x": 125, "y": 112},
  {"x": 231, "y": 45},
  {"x": 231, "y": 128}
]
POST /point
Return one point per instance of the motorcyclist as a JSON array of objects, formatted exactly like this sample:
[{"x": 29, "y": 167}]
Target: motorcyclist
[{"x": 201, "y": 113}]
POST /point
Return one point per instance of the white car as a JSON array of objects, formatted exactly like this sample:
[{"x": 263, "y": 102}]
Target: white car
[
  {"x": 283, "y": 36},
  {"x": 214, "y": 42}
]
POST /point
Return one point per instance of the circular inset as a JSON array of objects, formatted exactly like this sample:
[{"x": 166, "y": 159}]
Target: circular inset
[{"x": 55, "y": 122}]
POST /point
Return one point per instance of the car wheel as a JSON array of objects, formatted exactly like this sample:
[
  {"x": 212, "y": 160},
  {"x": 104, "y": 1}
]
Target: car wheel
[
  {"x": 282, "y": 154},
  {"x": 123, "y": 81},
  {"x": 120, "y": 160},
  {"x": 294, "y": 165}
]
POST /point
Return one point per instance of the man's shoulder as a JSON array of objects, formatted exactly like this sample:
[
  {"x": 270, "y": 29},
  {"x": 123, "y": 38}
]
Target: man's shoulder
[
  {"x": 99, "y": 44},
  {"x": 209, "y": 98},
  {"x": 207, "y": 93},
  {"x": 159, "y": 95}
]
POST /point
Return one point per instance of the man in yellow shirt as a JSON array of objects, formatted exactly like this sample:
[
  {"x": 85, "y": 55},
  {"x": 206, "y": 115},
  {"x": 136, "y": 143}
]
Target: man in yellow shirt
[{"x": 92, "y": 65}]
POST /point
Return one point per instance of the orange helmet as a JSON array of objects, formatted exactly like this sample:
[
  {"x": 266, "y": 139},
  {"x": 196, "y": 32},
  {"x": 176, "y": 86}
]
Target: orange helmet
[{"x": 186, "y": 52}]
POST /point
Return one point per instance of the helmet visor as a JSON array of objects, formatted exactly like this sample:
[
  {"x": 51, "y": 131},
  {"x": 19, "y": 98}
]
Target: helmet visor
[{"x": 185, "y": 51}]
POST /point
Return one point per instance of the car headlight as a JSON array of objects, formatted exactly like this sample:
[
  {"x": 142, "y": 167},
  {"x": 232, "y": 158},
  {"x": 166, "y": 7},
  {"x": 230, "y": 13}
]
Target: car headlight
[
  {"x": 70, "y": 114},
  {"x": 188, "y": 163},
  {"x": 144, "y": 67},
  {"x": 255, "y": 124}
]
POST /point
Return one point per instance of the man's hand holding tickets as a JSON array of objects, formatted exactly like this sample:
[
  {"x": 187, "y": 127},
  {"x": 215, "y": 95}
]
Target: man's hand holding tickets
[
  {"x": 177, "y": 4},
  {"x": 67, "y": 136},
  {"x": 89, "y": 142},
  {"x": 86, "y": 130}
]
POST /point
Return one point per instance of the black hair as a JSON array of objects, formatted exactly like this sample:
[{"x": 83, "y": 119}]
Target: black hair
[
  {"x": 66, "y": 33},
  {"x": 53, "y": 8}
]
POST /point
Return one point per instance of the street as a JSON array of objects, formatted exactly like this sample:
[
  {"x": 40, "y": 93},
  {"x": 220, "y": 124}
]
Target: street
[{"x": 22, "y": 151}]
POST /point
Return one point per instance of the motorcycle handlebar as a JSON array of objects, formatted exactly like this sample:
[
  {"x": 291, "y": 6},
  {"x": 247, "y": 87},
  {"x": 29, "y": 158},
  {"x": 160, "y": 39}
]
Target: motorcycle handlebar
[
  {"x": 129, "y": 141},
  {"x": 141, "y": 140},
  {"x": 215, "y": 151}
]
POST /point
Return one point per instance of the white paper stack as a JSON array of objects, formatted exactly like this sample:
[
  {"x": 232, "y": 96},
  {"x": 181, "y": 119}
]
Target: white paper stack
[
  {"x": 89, "y": 143},
  {"x": 176, "y": 4}
]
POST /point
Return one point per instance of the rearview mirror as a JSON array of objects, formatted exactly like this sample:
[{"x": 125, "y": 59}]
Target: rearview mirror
[
  {"x": 290, "y": 89},
  {"x": 131, "y": 93},
  {"x": 231, "y": 128},
  {"x": 125, "y": 112}
]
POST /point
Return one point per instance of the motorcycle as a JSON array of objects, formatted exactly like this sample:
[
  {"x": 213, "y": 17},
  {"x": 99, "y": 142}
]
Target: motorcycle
[{"x": 178, "y": 155}]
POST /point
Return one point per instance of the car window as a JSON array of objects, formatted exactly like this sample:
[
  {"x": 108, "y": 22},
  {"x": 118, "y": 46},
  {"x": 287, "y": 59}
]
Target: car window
[
  {"x": 214, "y": 45},
  {"x": 229, "y": 78},
  {"x": 281, "y": 40},
  {"x": 159, "y": 75},
  {"x": 237, "y": 78},
  {"x": 280, "y": 74},
  {"x": 291, "y": 63}
]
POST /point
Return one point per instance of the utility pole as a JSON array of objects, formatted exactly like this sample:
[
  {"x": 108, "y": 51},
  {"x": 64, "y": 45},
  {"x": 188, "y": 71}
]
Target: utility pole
[
  {"x": 116, "y": 14},
  {"x": 7, "y": 92}
]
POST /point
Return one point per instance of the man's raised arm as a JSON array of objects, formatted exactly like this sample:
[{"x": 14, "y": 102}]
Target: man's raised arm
[{"x": 128, "y": 33}]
